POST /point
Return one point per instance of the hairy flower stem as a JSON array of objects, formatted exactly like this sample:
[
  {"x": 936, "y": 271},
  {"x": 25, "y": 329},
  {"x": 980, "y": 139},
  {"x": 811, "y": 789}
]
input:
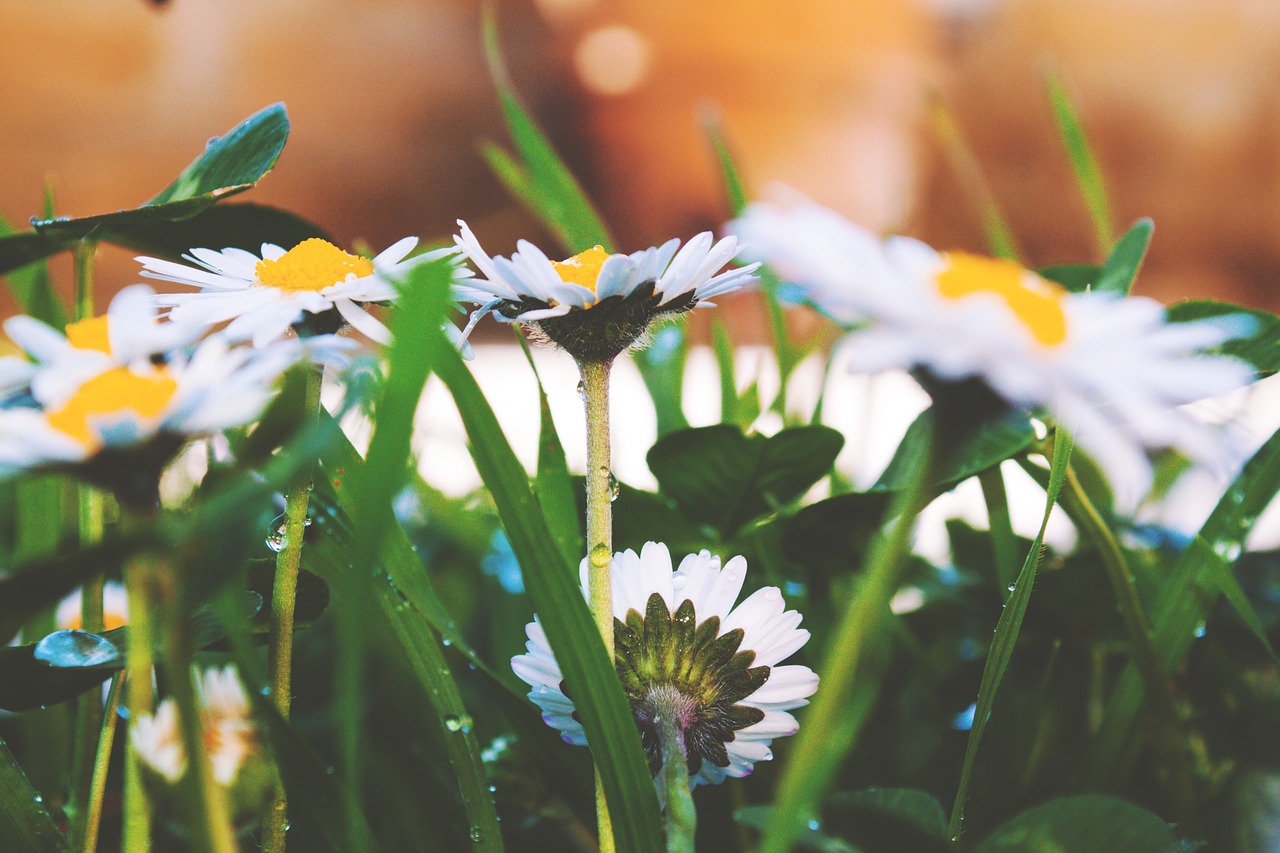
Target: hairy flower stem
[
  {"x": 595, "y": 397},
  {"x": 283, "y": 600},
  {"x": 138, "y": 578},
  {"x": 98, "y": 783},
  {"x": 681, "y": 817},
  {"x": 89, "y": 714}
]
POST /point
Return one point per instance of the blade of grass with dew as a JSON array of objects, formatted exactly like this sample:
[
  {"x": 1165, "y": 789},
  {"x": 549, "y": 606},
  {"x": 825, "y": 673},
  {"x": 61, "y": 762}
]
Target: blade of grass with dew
[
  {"x": 373, "y": 488},
  {"x": 826, "y": 732},
  {"x": 25, "y": 822},
  {"x": 554, "y": 486},
  {"x": 1006, "y": 634},
  {"x": 1083, "y": 163},
  {"x": 1000, "y": 239},
  {"x": 560, "y": 202},
  {"x": 562, "y": 609},
  {"x": 1125, "y": 259},
  {"x": 1000, "y": 523},
  {"x": 1186, "y": 598}
]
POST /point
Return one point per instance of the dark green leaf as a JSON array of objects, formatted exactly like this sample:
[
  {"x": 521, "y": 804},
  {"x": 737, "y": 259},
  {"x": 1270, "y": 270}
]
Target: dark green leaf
[
  {"x": 25, "y": 823},
  {"x": 833, "y": 534},
  {"x": 724, "y": 478},
  {"x": 1087, "y": 823},
  {"x": 1122, "y": 265},
  {"x": 223, "y": 226},
  {"x": 589, "y": 674},
  {"x": 1000, "y": 440},
  {"x": 915, "y": 808},
  {"x": 1076, "y": 278},
  {"x": 1261, "y": 347}
]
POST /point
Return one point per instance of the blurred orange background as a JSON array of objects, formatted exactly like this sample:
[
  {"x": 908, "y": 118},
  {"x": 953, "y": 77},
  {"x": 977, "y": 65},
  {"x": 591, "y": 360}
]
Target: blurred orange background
[{"x": 389, "y": 98}]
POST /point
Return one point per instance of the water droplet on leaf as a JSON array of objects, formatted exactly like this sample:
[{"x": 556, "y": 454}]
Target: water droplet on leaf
[{"x": 457, "y": 723}]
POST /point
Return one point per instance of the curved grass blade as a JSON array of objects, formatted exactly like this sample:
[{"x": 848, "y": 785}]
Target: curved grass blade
[
  {"x": 1083, "y": 163},
  {"x": 25, "y": 823},
  {"x": 553, "y": 586},
  {"x": 1122, "y": 265},
  {"x": 373, "y": 487},
  {"x": 540, "y": 179},
  {"x": 1191, "y": 589},
  {"x": 554, "y": 486},
  {"x": 1006, "y": 635}
]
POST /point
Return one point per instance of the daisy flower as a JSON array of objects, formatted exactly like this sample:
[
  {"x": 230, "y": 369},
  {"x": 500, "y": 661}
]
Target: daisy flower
[
  {"x": 230, "y": 735},
  {"x": 115, "y": 608},
  {"x": 263, "y": 296},
  {"x": 1108, "y": 368},
  {"x": 682, "y": 648},
  {"x": 122, "y": 424},
  {"x": 595, "y": 305}
]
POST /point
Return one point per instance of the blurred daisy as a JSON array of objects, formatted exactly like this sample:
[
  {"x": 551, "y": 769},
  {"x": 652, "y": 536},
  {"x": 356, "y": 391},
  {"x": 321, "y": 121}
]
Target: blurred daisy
[
  {"x": 1108, "y": 368},
  {"x": 683, "y": 649},
  {"x": 125, "y": 423},
  {"x": 115, "y": 608},
  {"x": 230, "y": 735},
  {"x": 595, "y": 305},
  {"x": 313, "y": 283}
]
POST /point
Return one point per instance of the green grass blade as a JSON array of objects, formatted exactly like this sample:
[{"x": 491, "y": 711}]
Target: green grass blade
[
  {"x": 661, "y": 367},
  {"x": 373, "y": 487},
  {"x": 723, "y": 348},
  {"x": 560, "y": 202},
  {"x": 1001, "y": 524},
  {"x": 734, "y": 189},
  {"x": 1006, "y": 635},
  {"x": 1083, "y": 164},
  {"x": 25, "y": 823},
  {"x": 30, "y": 284},
  {"x": 1000, "y": 239},
  {"x": 1189, "y": 592},
  {"x": 554, "y": 486},
  {"x": 553, "y": 586}
]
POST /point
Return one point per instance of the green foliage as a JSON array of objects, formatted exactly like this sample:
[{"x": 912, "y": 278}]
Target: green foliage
[{"x": 1088, "y": 823}]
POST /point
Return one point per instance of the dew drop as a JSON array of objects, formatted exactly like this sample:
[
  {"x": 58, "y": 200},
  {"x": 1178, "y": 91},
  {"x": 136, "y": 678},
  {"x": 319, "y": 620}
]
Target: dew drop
[
  {"x": 678, "y": 582},
  {"x": 814, "y": 826},
  {"x": 39, "y": 799},
  {"x": 446, "y": 642},
  {"x": 476, "y": 835},
  {"x": 493, "y": 789},
  {"x": 1200, "y": 630},
  {"x": 1012, "y": 587},
  {"x": 457, "y": 723},
  {"x": 276, "y": 539},
  {"x": 582, "y": 390},
  {"x": 601, "y": 556}
]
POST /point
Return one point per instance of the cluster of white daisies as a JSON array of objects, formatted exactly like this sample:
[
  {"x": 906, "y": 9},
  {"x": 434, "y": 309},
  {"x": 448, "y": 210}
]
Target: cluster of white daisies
[{"x": 1108, "y": 369}]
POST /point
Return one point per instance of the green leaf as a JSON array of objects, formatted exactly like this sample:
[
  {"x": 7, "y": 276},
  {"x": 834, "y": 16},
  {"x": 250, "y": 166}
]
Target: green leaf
[
  {"x": 554, "y": 488},
  {"x": 1001, "y": 439},
  {"x": 1261, "y": 347},
  {"x": 1122, "y": 265},
  {"x": 575, "y": 641},
  {"x": 25, "y": 823},
  {"x": 1083, "y": 164},
  {"x": 723, "y": 348},
  {"x": 242, "y": 226},
  {"x": 1000, "y": 653},
  {"x": 230, "y": 164},
  {"x": 540, "y": 179},
  {"x": 661, "y": 367},
  {"x": 28, "y": 279},
  {"x": 724, "y": 478},
  {"x": 831, "y": 535},
  {"x": 1076, "y": 278},
  {"x": 919, "y": 809},
  {"x": 1086, "y": 823}
]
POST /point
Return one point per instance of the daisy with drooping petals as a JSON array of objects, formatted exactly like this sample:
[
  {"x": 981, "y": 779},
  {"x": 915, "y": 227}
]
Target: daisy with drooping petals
[
  {"x": 596, "y": 304},
  {"x": 313, "y": 283},
  {"x": 683, "y": 649},
  {"x": 1108, "y": 368}
]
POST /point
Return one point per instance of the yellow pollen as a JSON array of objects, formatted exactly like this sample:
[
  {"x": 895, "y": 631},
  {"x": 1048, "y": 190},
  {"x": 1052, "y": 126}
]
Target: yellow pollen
[
  {"x": 313, "y": 264},
  {"x": 90, "y": 333},
  {"x": 117, "y": 390},
  {"x": 1033, "y": 300},
  {"x": 583, "y": 268}
]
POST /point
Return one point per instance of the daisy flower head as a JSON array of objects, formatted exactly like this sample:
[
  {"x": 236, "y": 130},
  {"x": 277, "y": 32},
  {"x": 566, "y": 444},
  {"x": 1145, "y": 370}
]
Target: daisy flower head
[
  {"x": 683, "y": 649},
  {"x": 1108, "y": 368},
  {"x": 314, "y": 287},
  {"x": 119, "y": 426},
  {"x": 596, "y": 304}
]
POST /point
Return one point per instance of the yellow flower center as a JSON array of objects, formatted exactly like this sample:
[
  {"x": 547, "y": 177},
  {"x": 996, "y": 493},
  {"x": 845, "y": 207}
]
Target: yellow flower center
[
  {"x": 1034, "y": 301},
  {"x": 110, "y": 621},
  {"x": 583, "y": 268},
  {"x": 90, "y": 333},
  {"x": 117, "y": 390},
  {"x": 311, "y": 265}
]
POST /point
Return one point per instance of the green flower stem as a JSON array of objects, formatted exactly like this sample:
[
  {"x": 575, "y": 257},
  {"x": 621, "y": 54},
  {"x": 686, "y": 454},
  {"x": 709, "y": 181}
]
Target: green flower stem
[
  {"x": 89, "y": 715},
  {"x": 283, "y": 600},
  {"x": 138, "y": 577},
  {"x": 1141, "y": 641},
  {"x": 82, "y": 257},
  {"x": 214, "y": 813},
  {"x": 98, "y": 783},
  {"x": 681, "y": 816},
  {"x": 829, "y": 731},
  {"x": 595, "y": 397}
]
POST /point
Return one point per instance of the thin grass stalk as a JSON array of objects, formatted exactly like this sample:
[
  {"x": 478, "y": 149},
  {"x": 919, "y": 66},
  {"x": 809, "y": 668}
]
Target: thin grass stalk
[
  {"x": 600, "y": 485},
  {"x": 824, "y": 738},
  {"x": 102, "y": 761},
  {"x": 283, "y": 600},
  {"x": 139, "y": 700},
  {"x": 89, "y": 713}
]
